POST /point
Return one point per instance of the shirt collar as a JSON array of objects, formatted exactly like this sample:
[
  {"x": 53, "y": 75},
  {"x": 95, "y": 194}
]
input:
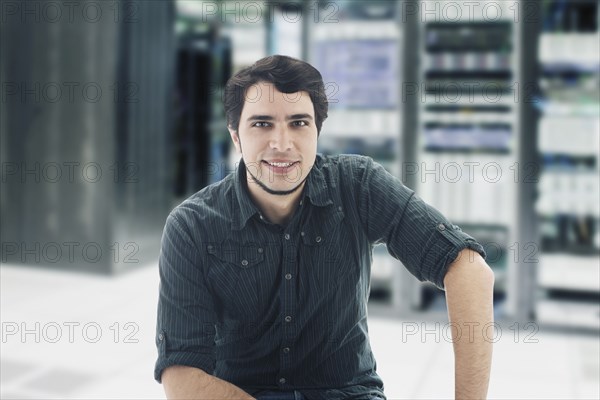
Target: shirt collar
[
  {"x": 316, "y": 185},
  {"x": 316, "y": 190},
  {"x": 244, "y": 207}
]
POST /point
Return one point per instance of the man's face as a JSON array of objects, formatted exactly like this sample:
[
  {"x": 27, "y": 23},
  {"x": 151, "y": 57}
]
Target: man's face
[{"x": 277, "y": 137}]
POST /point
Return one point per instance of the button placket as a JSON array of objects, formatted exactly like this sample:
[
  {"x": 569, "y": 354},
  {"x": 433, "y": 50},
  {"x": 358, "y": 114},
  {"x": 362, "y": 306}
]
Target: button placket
[{"x": 289, "y": 253}]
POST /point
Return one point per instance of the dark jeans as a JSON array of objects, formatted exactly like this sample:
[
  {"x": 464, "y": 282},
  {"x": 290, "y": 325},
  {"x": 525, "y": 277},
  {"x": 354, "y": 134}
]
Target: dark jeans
[
  {"x": 294, "y": 395},
  {"x": 274, "y": 395}
]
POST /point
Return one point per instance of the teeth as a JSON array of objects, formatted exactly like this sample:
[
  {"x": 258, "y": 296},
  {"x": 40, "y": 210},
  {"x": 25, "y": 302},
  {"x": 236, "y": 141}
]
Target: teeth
[{"x": 280, "y": 164}]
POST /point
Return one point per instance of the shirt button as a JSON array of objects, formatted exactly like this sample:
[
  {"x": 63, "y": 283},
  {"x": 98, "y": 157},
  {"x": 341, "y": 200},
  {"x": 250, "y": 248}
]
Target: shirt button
[
  {"x": 288, "y": 319},
  {"x": 286, "y": 350},
  {"x": 441, "y": 227},
  {"x": 318, "y": 239},
  {"x": 245, "y": 263},
  {"x": 282, "y": 380},
  {"x": 260, "y": 249},
  {"x": 340, "y": 208},
  {"x": 301, "y": 233},
  {"x": 288, "y": 276},
  {"x": 287, "y": 236},
  {"x": 161, "y": 336}
]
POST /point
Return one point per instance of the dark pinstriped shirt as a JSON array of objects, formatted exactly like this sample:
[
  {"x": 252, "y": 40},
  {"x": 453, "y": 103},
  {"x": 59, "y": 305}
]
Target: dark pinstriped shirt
[{"x": 275, "y": 307}]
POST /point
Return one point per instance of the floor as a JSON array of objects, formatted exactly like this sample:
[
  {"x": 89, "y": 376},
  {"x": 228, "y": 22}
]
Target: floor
[{"x": 70, "y": 336}]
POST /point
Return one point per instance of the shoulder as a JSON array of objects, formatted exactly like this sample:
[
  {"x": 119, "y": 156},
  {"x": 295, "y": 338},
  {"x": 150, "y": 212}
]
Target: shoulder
[
  {"x": 344, "y": 166},
  {"x": 209, "y": 207},
  {"x": 347, "y": 169}
]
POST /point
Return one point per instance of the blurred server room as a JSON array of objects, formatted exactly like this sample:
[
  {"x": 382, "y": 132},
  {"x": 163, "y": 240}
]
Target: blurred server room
[{"x": 111, "y": 115}]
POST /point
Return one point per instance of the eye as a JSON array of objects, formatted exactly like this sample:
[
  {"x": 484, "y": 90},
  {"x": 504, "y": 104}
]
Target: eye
[
  {"x": 300, "y": 123},
  {"x": 261, "y": 124}
]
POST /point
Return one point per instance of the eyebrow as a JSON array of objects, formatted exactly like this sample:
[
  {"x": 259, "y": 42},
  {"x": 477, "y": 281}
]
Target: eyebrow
[{"x": 270, "y": 118}]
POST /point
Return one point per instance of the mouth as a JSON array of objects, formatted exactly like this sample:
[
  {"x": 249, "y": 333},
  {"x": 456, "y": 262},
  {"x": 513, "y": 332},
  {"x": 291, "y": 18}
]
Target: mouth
[
  {"x": 280, "y": 167},
  {"x": 281, "y": 164}
]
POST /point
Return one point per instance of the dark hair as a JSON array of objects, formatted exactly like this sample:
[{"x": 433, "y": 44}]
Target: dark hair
[{"x": 289, "y": 75}]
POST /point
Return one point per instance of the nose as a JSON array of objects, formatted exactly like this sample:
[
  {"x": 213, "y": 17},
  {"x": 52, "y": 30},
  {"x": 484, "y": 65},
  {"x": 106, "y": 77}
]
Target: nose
[{"x": 281, "y": 139}]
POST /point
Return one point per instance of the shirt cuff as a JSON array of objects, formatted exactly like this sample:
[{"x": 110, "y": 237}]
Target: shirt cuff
[
  {"x": 452, "y": 241},
  {"x": 167, "y": 358},
  {"x": 196, "y": 360}
]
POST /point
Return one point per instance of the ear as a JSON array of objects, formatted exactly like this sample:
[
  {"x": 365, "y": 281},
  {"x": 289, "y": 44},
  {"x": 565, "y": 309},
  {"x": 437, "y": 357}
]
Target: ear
[{"x": 236, "y": 139}]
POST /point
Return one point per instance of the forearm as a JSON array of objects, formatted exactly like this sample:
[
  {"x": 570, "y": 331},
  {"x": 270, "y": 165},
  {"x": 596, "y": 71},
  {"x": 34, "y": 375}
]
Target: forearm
[
  {"x": 469, "y": 286},
  {"x": 182, "y": 382}
]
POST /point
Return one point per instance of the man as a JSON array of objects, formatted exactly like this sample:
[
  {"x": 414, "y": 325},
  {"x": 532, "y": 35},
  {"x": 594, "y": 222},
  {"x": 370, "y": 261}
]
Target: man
[{"x": 265, "y": 275}]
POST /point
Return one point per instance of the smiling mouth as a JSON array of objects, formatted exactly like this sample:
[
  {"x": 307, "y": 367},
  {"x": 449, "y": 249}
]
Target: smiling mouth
[{"x": 280, "y": 164}]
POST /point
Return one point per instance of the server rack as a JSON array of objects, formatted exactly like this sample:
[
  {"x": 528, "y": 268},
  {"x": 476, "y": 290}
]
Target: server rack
[
  {"x": 568, "y": 132},
  {"x": 201, "y": 140},
  {"x": 468, "y": 141},
  {"x": 87, "y": 185}
]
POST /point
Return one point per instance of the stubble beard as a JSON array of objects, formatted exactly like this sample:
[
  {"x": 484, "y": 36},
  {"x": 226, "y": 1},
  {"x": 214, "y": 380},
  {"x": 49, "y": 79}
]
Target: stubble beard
[
  {"x": 272, "y": 191},
  {"x": 265, "y": 187}
]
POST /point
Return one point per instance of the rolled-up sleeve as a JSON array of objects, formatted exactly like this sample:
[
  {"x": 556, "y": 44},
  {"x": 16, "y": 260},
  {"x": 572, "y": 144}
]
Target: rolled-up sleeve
[
  {"x": 415, "y": 233},
  {"x": 185, "y": 322}
]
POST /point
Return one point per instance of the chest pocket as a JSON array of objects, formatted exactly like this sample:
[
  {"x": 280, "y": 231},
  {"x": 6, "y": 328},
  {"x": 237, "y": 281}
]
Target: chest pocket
[
  {"x": 234, "y": 270},
  {"x": 325, "y": 242}
]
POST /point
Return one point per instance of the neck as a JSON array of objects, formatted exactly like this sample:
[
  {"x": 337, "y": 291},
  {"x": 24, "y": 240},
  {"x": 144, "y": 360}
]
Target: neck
[{"x": 277, "y": 209}]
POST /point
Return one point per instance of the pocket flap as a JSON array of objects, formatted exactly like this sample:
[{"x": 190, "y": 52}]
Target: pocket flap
[
  {"x": 243, "y": 255},
  {"x": 315, "y": 234}
]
